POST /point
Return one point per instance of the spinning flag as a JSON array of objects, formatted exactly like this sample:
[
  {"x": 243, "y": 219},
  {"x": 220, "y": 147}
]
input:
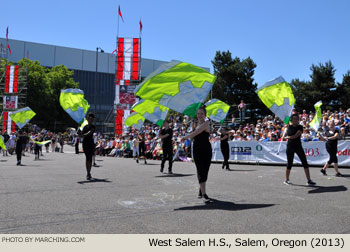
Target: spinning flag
[
  {"x": 278, "y": 96},
  {"x": 217, "y": 110},
  {"x": 39, "y": 143},
  {"x": 315, "y": 123},
  {"x": 2, "y": 144},
  {"x": 177, "y": 85},
  {"x": 22, "y": 116},
  {"x": 135, "y": 120},
  {"x": 151, "y": 110},
  {"x": 74, "y": 103}
]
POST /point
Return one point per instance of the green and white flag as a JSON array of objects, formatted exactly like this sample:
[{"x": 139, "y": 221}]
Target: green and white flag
[
  {"x": 134, "y": 120},
  {"x": 22, "y": 116},
  {"x": 2, "y": 143},
  {"x": 177, "y": 85},
  {"x": 73, "y": 102},
  {"x": 278, "y": 96},
  {"x": 217, "y": 110},
  {"x": 151, "y": 110},
  {"x": 316, "y": 121}
]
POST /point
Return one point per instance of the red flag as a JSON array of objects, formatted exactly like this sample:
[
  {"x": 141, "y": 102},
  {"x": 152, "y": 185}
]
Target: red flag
[
  {"x": 120, "y": 13},
  {"x": 7, "y": 34},
  {"x": 140, "y": 26},
  {"x": 8, "y": 46}
]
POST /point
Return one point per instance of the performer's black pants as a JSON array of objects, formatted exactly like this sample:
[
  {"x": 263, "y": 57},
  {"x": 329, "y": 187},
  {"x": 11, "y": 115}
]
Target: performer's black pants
[
  {"x": 298, "y": 149},
  {"x": 167, "y": 155}
]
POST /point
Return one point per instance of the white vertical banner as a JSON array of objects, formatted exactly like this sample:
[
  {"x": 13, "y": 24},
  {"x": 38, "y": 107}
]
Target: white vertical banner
[
  {"x": 12, "y": 74},
  {"x": 116, "y": 101},
  {"x": 126, "y": 114},
  {"x": 9, "y": 123},
  {"x": 127, "y": 58}
]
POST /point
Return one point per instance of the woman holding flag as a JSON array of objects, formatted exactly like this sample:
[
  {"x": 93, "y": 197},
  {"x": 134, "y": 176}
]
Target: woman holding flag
[
  {"x": 331, "y": 136},
  {"x": 202, "y": 151},
  {"x": 294, "y": 132}
]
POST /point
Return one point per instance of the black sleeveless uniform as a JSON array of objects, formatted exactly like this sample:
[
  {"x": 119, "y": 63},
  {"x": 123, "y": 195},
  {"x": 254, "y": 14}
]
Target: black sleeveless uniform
[
  {"x": 202, "y": 154},
  {"x": 294, "y": 146},
  {"x": 225, "y": 149},
  {"x": 88, "y": 142},
  {"x": 167, "y": 146},
  {"x": 332, "y": 146}
]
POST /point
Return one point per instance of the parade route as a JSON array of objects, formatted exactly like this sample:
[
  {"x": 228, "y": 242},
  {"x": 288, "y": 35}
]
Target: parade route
[{"x": 52, "y": 195}]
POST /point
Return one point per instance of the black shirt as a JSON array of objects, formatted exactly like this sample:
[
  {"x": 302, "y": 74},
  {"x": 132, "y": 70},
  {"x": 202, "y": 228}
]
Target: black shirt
[
  {"x": 328, "y": 133},
  {"x": 21, "y": 140},
  {"x": 168, "y": 140},
  {"x": 291, "y": 131},
  {"x": 89, "y": 140}
]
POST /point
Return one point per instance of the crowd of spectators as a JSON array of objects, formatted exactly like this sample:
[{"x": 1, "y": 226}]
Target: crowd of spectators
[{"x": 269, "y": 128}]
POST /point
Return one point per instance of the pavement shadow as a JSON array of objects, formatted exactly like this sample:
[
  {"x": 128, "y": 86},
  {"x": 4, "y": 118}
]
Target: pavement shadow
[
  {"x": 173, "y": 175},
  {"x": 224, "y": 205},
  {"x": 3, "y": 160},
  {"x": 94, "y": 180},
  {"x": 325, "y": 189}
]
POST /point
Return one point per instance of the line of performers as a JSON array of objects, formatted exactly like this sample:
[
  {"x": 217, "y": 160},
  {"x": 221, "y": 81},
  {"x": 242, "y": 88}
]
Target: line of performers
[{"x": 202, "y": 150}]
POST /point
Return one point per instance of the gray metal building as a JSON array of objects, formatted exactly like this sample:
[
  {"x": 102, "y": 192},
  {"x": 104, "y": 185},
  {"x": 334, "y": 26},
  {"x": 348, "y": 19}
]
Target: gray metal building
[{"x": 83, "y": 62}]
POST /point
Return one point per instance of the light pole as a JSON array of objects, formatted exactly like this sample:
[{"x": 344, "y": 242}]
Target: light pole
[{"x": 95, "y": 93}]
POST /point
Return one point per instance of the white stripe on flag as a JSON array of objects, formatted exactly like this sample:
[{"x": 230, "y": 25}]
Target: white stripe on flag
[
  {"x": 9, "y": 123},
  {"x": 12, "y": 73},
  {"x": 127, "y": 58}
]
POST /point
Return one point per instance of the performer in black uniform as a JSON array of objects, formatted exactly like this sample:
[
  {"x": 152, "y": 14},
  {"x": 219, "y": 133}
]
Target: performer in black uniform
[
  {"x": 88, "y": 143},
  {"x": 21, "y": 139},
  {"x": 142, "y": 146},
  {"x": 166, "y": 134},
  {"x": 202, "y": 152},
  {"x": 294, "y": 132},
  {"x": 331, "y": 136},
  {"x": 225, "y": 149}
]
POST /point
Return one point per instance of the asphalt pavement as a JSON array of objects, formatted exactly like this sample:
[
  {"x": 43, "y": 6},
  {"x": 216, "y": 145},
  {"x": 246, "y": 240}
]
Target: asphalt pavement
[{"x": 52, "y": 195}]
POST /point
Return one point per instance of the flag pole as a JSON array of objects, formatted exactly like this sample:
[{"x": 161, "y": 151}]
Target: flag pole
[{"x": 285, "y": 130}]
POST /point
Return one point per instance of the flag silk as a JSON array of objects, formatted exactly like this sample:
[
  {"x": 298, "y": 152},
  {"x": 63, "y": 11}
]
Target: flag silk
[
  {"x": 217, "y": 110},
  {"x": 134, "y": 120},
  {"x": 40, "y": 143},
  {"x": 177, "y": 85},
  {"x": 7, "y": 34},
  {"x": 278, "y": 96},
  {"x": 74, "y": 103},
  {"x": 120, "y": 13},
  {"x": 2, "y": 143},
  {"x": 83, "y": 124},
  {"x": 8, "y": 46},
  {"x": 22, "y": 116},
  {"x": 151, "y": 110},
  {"x": 316, "y": 121}
]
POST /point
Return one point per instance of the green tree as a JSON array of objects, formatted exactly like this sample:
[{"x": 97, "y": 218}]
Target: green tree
[
  {"x": 322, "y": 86},
  {"x": 301, "y": 94},
  {"x": 235, "y": 80},
  {"x": 43, "y": 91},
  {"x": 343, "y": 92}
]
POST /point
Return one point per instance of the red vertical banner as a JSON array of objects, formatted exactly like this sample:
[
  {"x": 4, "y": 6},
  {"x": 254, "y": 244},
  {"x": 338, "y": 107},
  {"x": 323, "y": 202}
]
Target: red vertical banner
[
  {"x": 120, "y": 59},
  {"x": 13, "y": 129},
  {"x": 7, "y": 80},
  {"x": 15, "y": 80},
  {"x": 4, "y": 122},
  {"x": 119, "y": 122},
  {"x": 135, "y": 59}
]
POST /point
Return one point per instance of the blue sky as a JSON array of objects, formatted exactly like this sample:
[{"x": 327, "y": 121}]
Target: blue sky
[{"x": 282, "y": 37}]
